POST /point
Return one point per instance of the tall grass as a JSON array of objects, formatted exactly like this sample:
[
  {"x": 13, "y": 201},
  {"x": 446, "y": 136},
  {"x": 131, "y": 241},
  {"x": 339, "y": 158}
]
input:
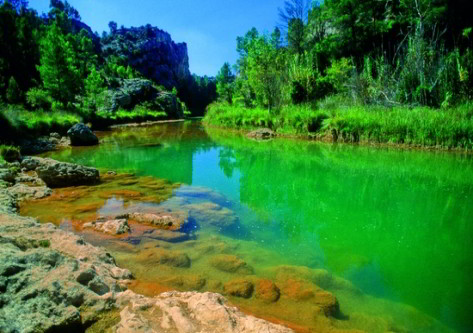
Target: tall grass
[{"x": 342, "y": 122}]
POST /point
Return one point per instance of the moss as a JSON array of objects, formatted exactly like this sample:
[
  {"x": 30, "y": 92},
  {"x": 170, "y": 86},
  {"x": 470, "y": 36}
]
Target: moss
[{"x": 10, "y": 153}]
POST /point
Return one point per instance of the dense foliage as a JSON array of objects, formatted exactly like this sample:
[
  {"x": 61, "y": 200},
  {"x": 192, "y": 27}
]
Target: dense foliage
[{"x": 391, "y": 56}]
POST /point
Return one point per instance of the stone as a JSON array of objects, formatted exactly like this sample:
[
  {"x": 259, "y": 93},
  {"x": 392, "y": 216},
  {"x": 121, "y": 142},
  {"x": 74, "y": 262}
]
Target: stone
[
  {"x": 111, "y": 227},
  {"x": 168, "y": 257},
  {"x": 168, "y": 236},
  {"x": 231, "y": 264},
  {"x": 81, "y": 135},
  {"x": 211, "y": 214},
  {"x": 327, "y": 303},
  {"x": 7, "y": 175},
  {"x": 61, "y": 174},
  {"x": 239, "y": 288},
  {"x": 187, "y": 282},
  {"x": 24, "y": 192},
  {"x": 267, "y": 291},
  {"x": 55, "y": 135},
  {"x": 261, "y": 134},
  {"x": 186, "y": 312},
  {"x": 30, "y": 163},
  {"x": 163, "y": 220}
]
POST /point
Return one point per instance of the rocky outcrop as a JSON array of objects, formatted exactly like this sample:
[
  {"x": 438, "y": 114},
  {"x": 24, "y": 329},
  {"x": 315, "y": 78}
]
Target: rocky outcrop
[
  {"x": 186, "y": 313},
  {"x": 150, "y": 51},
  {"x": 61, "y": 174},
  {"x": 133, "y": 92},
  {"x": 112, "y": 227},
  {"x": 81, "y": 135}
]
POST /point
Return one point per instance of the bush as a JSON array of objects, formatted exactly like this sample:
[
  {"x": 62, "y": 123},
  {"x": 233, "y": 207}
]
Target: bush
[
  {"x": 14, "y": 94},
  {"x": 10, "y": 153},
  {"x": 39, "y": 99}
]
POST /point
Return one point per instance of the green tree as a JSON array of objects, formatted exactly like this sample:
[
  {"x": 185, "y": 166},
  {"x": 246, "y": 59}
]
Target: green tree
[
  {"x": 14, "y": 94},
  {"x": 94, "y": 86},
  {"x": 58, "y": 66},
  {"x": 225, "y": 86},
  {"x": 295, "y": 36}
]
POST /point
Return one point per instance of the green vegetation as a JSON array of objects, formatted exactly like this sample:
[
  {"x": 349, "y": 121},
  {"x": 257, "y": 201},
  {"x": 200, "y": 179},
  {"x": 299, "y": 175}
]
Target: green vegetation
[
  {"x": 377, "y": 71},
  {"x": 9, "y": 153},
  {"x": 53, "y": 74}
]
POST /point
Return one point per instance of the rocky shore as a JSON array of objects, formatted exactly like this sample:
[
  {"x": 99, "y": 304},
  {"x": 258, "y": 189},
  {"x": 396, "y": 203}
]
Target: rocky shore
[{"x": 53, "y": 281}]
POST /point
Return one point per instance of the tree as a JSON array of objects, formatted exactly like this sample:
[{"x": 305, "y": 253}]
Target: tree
[
  {"x": 293, "y": 9},
  {"x": 265, "y": 68},
  {"x": 113, "y": 27},
  {"x": 225, "y": 79},
  {"x": 94, "y": 85},
  {"x": 14, "y": 94},
  {"x": 58, "y": 66},
  {"x": 295, "y": 36}
]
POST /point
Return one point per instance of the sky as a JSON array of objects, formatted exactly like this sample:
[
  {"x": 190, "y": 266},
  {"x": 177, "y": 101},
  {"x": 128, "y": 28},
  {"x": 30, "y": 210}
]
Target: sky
[{"x": 209, "y": 27}]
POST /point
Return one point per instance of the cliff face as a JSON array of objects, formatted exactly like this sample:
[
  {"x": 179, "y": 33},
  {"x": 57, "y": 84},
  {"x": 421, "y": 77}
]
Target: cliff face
[{"x": 152, "y": 52}]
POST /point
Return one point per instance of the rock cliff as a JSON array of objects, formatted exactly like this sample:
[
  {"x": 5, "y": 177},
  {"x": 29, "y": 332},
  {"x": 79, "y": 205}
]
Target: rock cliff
[{"x": 150, "y": 51}]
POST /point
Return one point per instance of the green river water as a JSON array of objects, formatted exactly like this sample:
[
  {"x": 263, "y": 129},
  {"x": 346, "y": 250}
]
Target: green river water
[{"x": 397, "y": 224}]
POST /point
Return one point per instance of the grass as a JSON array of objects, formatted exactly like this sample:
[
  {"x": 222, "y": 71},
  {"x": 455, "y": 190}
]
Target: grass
[
  {"x": 18, "y": 121},
  {"x": 345, "y": 122},
  {"x": 138, "y": 114}
]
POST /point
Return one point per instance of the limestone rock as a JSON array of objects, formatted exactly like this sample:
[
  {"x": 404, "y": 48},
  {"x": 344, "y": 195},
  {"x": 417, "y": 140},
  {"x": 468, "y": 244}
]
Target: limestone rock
[
  {"x": 239, "y": 288},
  {"x": 231, "y": 264},
  {"x": 163, "y": 220},
  {"x": 211, "y": 214},
  {"x": 61, "y": 174},
  {"x": 267, "y": 291},
  {"x": 112, "y": 227},
  {"x": 81, "y": 135},
  {"x": 24, "y": 192},
  {"x": 187, "y": 312}
]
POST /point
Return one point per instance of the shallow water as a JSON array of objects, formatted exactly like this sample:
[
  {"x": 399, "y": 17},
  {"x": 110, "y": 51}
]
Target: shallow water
[{"x": 394, "y": 227}]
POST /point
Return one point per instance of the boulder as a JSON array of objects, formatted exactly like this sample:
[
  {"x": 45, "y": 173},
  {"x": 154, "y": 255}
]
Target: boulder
[
  {"x": 166, "y": 257},
  {"x": 211, "y": 214},
  {"x": 267, "y": 291},
  {"x": 61, "y": 174},
  {"x": 24, "y": 192},
  {"x": 239, "y": 288},
  {"x": 30, "y": 163},
  {"x": 162, "y": 220},
  {"x": 112, "y": 227},
  {"x": 261, "y": 134},
  {"x": 168, "y": 236},
  {"x": 327, "y": 303},
  {"x": 231, "y": 264},
  {"x": 7, "y": 175},
  {"x": 81, "y": 135}
]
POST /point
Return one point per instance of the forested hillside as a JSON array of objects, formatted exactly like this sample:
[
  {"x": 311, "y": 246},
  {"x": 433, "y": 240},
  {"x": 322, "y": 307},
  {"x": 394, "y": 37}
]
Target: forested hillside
[
  {"x": 384, "y": 71},
  {"x": 54, "y": 72}
]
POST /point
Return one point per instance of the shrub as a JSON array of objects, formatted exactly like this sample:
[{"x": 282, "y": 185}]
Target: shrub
[
  {"x": 10, "y": 153},
  {"x": 14, "y": 94},
  {"x": 39, "y": 98}
]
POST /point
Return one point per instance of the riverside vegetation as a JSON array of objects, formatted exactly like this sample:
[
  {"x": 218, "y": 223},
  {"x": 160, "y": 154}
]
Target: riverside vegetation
[{"x": 377, "y": 71}]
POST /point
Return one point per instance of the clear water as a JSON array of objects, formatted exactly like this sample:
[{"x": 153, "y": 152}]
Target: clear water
[{"x": 397, "y": 224}]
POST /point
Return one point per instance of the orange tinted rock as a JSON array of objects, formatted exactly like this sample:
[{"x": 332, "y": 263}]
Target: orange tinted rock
[
  {"x": 267, "y": 291},
  {"x": 327, "y": 303},
  {"x": 239, "y": 288},
  {"x": 231, "y": 264},
  {"x": 187, "y": 282},
  {"x": 298, "y": 290}
]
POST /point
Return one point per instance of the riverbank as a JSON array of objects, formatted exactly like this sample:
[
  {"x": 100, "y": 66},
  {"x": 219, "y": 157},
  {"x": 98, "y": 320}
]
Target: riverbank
[
  {"x": 53, "y": 281},
  {"x": 417, "y": 128}
]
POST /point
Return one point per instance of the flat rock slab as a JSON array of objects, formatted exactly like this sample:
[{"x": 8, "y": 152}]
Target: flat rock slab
[
  {"x": 168, "y": 236},
  {"x": 111, "y": 227},
  {"x": 261, "y": 134},
  {"x": 61, "y": 174}
]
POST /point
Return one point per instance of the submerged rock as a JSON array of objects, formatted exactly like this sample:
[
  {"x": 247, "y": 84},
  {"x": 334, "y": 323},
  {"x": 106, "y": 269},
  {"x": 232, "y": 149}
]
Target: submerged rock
[
  {"x": 211, "y": 214},
  {"x": 231, "y": 264},
  {"x": 239, "y": 288},
  {"x": 267, "y": 291},
  {"x": 168, "y": 236},
  {"x": 81, "y": 135},
  {"x": 61, "y": 174},
  {"x": 163, "y": 220}
]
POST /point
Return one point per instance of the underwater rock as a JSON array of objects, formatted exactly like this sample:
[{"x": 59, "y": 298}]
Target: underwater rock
[
  {"x": 231, "y": 264},
  {"x": 168, "y": 236},
  {"x": 81, "y": 135},
  {"x": 261, "y": 134},
  {"x": 188, "y": 282},
  {"x": 61, "y": 174},
  {"x": 166, "y": 257},
  {"x": 112, "y": 227},
  {"x": 327, "y": 303},
  {"x": 209, "y": 213},
  {"x": 239, "y": 288},
  {"x": 267, "y": 291},
  {"x": 163, "y": 220}
]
